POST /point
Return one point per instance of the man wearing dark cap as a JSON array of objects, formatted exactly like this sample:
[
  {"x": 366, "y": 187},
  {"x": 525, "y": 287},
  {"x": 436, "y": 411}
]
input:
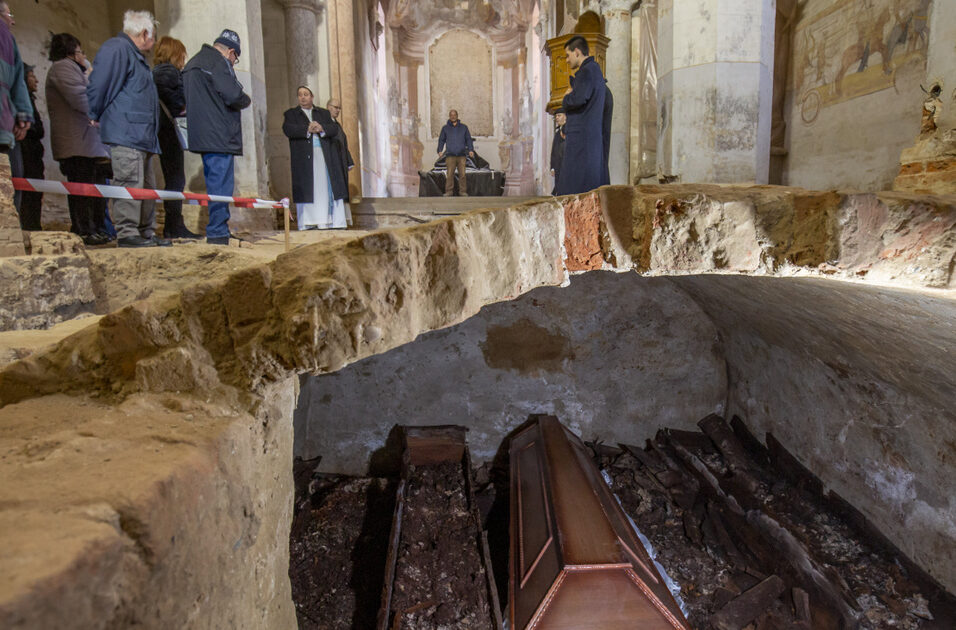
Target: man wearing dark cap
[{"x": 214, "y": 101}]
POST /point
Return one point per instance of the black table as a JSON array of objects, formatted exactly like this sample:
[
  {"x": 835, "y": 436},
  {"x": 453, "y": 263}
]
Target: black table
[{"x": 481, "y": 183}]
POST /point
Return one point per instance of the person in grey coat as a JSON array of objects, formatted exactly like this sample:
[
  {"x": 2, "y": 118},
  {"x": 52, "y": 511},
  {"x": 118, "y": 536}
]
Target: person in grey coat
[
  {"x": 73, "y": 138},
  {"x": 123, "y": 100}
]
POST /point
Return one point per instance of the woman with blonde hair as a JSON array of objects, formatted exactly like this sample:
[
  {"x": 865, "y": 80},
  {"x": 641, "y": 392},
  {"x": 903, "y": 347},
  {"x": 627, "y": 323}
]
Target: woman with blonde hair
[{"x": 169, "y": 57}]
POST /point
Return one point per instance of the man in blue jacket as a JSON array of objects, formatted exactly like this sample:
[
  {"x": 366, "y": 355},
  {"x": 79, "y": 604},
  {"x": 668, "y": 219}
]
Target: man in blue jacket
[
  {"x": 456, "y": 136},
  {"x": 585, "y": 166},
  {"x": 124, "y": 104},
  {"x": 214, "y": 104}
]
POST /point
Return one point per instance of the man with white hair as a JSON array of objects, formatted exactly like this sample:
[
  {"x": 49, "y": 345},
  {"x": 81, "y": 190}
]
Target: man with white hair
[{"x": 123, "y": 102}]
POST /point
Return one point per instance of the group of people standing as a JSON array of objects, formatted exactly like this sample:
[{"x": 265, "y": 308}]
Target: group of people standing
[
  {"x": 137, "y": 121},
  {"x": 109, "y": 118}
]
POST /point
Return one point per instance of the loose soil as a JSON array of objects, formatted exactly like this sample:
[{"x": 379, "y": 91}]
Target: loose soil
[
  {"x": 338, "y": 547},
  {"x": 440, "y": 580}
]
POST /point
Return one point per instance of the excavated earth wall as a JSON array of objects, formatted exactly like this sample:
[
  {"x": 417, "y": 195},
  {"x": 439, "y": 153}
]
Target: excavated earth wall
[{"x": 147, "y": 458}]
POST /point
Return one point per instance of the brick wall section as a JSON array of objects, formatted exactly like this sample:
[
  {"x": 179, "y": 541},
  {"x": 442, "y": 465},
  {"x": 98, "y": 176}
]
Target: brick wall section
[{"x": 11, "y": 238}]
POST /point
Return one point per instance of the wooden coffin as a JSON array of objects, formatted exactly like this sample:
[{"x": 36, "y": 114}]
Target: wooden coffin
[
  {"x": 576, "y": 562},
  {"x": 427, "y": 446}
]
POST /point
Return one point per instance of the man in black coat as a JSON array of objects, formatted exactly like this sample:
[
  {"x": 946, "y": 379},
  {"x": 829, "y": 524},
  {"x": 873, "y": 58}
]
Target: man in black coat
[
  {"x": 557, "y": 146},
  {"x": 584, "y": 162},
  {"x": 606, "y": 133},
  {"x": 215, "y": 101},
  {"x": 303, "y": 125},
  {"x": 335, "y": 109}
]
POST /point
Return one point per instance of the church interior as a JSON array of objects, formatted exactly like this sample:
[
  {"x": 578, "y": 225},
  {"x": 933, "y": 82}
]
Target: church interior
[{"x": 718, "y": 393}]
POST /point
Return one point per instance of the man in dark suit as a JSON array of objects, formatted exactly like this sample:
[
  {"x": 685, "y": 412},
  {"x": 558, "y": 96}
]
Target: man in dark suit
[
  {"x": 557, "y": 146},
  {"x": 606, "y": 133},
  {"x": 584, "y": 161}
]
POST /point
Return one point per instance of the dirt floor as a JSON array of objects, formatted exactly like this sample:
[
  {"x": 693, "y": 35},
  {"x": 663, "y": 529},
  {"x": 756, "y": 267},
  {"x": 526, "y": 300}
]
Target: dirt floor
[{"x": 440, "y": 581}]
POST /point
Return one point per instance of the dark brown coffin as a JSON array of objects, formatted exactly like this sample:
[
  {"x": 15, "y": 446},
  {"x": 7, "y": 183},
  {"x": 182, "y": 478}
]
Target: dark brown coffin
[
  {"x": 424, "y": 446},
  {"x": 575, "y": 560}
]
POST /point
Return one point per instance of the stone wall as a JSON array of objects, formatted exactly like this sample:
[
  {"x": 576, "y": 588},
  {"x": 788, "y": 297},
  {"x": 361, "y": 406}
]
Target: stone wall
[
  {"x": 164, "y": 511},
  {"x": 11, "y": 237},
  {"x": 857, "y": 381}
]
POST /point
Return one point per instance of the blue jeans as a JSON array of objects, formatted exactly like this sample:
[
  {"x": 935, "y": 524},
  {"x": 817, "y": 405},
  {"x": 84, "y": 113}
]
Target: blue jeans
[{"x": 219, "y": 171}]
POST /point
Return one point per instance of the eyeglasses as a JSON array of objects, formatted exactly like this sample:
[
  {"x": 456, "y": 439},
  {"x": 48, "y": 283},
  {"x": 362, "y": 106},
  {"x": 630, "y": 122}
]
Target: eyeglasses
[{"x": 234, "y": 56}]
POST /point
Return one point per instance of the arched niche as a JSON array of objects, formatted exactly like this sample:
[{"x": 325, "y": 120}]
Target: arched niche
[{"x": 461, "y": 77}]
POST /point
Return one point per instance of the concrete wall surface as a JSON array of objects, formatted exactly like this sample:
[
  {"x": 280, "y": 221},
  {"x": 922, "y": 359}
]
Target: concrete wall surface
[{"x": 614, "y": 356}]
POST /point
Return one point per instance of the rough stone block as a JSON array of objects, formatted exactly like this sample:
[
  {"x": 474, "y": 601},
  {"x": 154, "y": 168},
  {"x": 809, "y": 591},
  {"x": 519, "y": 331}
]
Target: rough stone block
[
  {"x": 53, "y": 243},
  {"x": 44, "y": 290},
  {"x": 11, "y": 239}
]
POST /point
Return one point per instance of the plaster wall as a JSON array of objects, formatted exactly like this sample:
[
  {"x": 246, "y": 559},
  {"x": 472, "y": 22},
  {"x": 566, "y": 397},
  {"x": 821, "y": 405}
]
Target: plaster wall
[
  {"x": 279, "y": 97},
  {"x": 460, "y": 77},
  {"x": 492, "y": 111},
  {"x": 715, "y": 89},
  {"x": 854, "y": 98},
  {"x": 374, "y": 118},
  {"x": 615, "y": 356},
  {"x": 941, "y": 59},
  {"x": 198, "y": 24},
  {"x": 857, "y": 382}
]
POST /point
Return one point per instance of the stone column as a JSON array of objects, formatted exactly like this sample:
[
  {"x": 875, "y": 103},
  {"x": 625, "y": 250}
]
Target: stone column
[
  {"x": 715, "y": 89},
  {"x": 344, "y": 82},
  {"x": 618, "y": 74},
  {"x": 301, "y": 41}
]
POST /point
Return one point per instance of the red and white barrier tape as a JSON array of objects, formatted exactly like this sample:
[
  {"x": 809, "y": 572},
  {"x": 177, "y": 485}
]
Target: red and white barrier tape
[{"x": 119, "y": 192}]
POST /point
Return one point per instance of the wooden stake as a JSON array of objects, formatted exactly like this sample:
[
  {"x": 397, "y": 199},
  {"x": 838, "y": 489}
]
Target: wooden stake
[{"x": 285, "y": 212}]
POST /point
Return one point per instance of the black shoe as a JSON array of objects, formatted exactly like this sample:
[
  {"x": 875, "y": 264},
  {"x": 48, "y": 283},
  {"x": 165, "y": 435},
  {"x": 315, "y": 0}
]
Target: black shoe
[
  {"x": 109, "y": 237},
  {"x": 136, "y": 241},
  {"x": 183, "y": 232},
  {"x": 161, "y": 242},
  {"x": 217, "y": 240},
  {"x": 95, "y": 239}
]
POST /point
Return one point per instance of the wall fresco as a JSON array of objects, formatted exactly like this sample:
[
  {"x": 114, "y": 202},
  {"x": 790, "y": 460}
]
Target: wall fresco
[{"x": 849, "y": 48}]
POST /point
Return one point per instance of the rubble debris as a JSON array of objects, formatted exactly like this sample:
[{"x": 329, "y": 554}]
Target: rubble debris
[{"x": 725, "y": 515}]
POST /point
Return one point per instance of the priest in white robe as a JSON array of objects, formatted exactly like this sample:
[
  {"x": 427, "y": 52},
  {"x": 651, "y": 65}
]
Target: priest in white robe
[{"x": 319, "y": 175}]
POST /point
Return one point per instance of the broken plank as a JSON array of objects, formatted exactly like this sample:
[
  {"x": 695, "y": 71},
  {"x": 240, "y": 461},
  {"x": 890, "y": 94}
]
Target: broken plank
[{"x": 749, "y": 605}]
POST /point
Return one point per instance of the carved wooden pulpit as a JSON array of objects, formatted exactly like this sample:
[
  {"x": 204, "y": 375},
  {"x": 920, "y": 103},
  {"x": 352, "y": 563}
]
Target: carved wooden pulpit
[{"x": 560, "y": 73}]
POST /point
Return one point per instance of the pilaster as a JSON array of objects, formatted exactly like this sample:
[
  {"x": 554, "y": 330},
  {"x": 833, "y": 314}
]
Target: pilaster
[{"x": 715, "y": 89}]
